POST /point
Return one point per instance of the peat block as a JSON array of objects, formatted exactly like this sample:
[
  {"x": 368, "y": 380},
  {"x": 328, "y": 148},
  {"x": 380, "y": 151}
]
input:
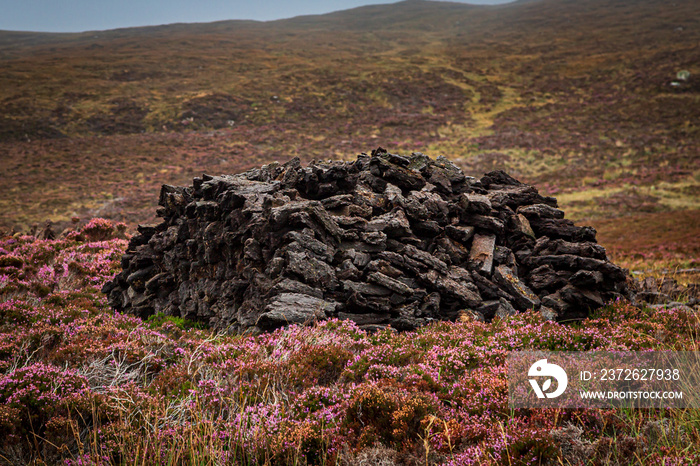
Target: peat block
[{"x": 384, "y": 240}]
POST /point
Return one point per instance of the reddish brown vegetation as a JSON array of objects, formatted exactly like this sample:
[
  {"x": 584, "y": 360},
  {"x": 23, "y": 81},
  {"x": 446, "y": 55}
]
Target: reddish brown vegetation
[
  {"x": 666, "y": 239},
  {"x": 569, "y": 96}
]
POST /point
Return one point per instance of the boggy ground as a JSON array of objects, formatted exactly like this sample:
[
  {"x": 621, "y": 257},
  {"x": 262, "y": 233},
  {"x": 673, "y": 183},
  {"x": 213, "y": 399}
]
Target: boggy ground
[
  {"x": 573, "y": 97},
  {"x": 83, "y": 385}
]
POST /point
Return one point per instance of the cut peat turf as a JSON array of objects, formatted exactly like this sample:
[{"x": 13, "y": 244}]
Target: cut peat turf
[{"x": 384, "y": 240}]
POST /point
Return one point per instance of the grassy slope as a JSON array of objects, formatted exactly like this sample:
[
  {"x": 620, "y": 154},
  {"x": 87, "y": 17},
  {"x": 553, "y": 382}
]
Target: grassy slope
[{"x": 571, "y": 96}]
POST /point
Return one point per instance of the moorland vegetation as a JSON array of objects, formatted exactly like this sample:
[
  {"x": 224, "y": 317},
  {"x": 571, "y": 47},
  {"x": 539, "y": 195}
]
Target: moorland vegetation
[{"x": 576, "y": 98}]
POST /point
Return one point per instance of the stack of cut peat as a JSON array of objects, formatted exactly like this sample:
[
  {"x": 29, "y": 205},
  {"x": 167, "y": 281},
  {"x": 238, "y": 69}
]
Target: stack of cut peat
[{"x": 385, "y": 240}]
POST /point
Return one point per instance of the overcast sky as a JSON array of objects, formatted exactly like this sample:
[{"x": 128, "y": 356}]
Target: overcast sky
[{"x": 88, "y": 15}]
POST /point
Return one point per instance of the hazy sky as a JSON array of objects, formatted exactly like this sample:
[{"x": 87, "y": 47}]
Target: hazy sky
[{"x": 86, "y": 15}]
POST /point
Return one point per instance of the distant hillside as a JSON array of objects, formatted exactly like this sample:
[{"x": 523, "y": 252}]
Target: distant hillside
[{"x": 575, "y": 97}]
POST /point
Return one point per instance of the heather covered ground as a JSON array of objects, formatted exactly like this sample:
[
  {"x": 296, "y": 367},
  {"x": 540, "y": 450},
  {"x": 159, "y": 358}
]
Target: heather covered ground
[
  {"x": 575, "y": 98},
  {"x": 82, "y": 384}
]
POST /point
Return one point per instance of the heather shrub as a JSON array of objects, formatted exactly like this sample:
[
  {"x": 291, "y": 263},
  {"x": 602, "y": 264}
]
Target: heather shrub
[
  {"x": 99, "y": 229},
  {"x": 107, "y": 388},
  {"x": 524, "y": 446},
  {"x": 40, "y": 397},
  {"x": 313, "y": 365},
  {"x": 483, "y": 389},
  {"x": 320, "y": 401},
  {"x": 9, "y": 261},
  {"x": 387, "y": 415},
  {"x": 369, "y": 415}
]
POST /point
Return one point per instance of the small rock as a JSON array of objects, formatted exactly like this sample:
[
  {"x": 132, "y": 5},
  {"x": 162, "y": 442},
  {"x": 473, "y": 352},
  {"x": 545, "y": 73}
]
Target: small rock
[
  {"x": 586, "y": 278},
  {"x": 486, "y": 222},
  {"x": 393, "y": 224},
  {"x": 540, "y": 211},
  {"x": 524, "y": 297},
  {"x": 460, "y": 233},
  {"x": 477, "y": 203},
  {"x": 548, "y": 314},
  {"x": 505, "y": 309},
  {"x": 390, "y": 283},
  {"x": 522, "y": 225},
  {"x": 294, "y": 308},
  {"x": 481, "y": 253}
]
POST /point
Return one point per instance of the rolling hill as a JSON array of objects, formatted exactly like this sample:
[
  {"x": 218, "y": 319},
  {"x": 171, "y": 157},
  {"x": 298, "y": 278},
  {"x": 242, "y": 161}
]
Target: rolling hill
[{"x": 574, "y": 97}]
